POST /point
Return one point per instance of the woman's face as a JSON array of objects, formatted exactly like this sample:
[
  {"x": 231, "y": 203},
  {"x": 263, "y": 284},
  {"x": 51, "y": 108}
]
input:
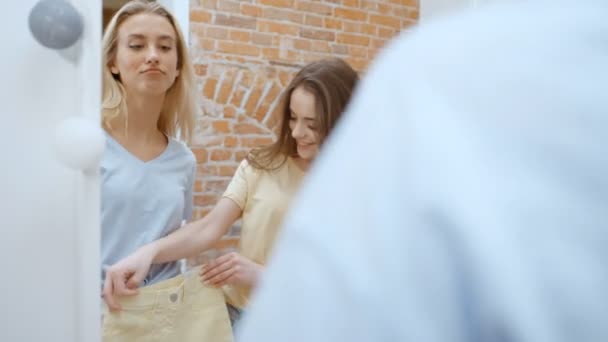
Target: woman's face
[
  {"x": 303, "y": 123},
  {"x": 146, "y": 54}
]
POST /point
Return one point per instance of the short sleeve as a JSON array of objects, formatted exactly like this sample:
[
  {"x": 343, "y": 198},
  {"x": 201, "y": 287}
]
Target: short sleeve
[{"x": 238, "y": 188}]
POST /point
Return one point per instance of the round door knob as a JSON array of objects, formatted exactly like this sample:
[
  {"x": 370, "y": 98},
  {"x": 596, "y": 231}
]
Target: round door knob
[{"x": 55, "y": 24}]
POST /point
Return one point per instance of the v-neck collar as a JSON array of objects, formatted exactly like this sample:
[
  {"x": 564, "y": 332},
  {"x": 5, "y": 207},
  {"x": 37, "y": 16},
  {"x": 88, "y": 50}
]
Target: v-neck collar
[{"x": 136, "y": 158}]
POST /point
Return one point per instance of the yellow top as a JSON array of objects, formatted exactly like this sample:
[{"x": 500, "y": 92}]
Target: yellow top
[{"x": 264, "y": 197}]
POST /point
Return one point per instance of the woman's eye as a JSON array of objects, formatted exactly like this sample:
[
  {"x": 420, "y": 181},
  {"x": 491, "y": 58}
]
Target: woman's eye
[
  {"x": 166, "y": 48},
  {"x": 136, "y": 46}
]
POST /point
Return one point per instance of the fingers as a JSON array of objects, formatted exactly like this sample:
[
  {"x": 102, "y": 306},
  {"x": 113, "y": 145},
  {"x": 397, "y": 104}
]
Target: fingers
[
  {"x": 218, "y": 265},
  {"x": 108, "y": 296},
  {"x": 120, "y": 285},
  {"x": 221, "y": 278}
]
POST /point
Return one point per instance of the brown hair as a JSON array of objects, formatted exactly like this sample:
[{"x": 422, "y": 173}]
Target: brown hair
[
  {"x": 332, "y": 82},
  {"x": 180, "y": 106}
]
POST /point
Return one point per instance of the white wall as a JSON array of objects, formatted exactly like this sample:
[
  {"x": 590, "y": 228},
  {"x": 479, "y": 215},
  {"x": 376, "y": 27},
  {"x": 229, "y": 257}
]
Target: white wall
[
  {"x": 49, "y": 244},
  {"x": 181, "y": 10},
  {"x": 430, "y": 8}
]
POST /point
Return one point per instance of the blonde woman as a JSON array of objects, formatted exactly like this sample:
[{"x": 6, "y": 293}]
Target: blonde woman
[{"x": 148, "y": 104}]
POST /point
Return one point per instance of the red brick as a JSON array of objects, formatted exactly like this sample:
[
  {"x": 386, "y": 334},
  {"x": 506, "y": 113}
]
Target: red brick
[
  {"x": 385, "y": 8},
  {"x": 209, "y": 4},
  {"x": 198, "y": 185},
  {"x": 235, "y": 21},
  {"x": 339, "y": 49},
  {"x": 313, "y": 20},
  {"x": 320, "y": 8},
  {"x": 270, "y": 53},
  {"x": 282, "y": 14},
  {"x": 358, "y": 51},
  {"x": 277, "y": 3},
  {"x": 247, "y": 78},
  {"x": 200, "y": 69},
  {"x": 350, "y": 14},
  {"x": 240, "y": 155},
  {"x": 413, "y": 14},
  {"x": 220, "y": 155},
  {"x": 226, "y": 171},
  {"x": 255, "y": 142},
  {"x": 407, "y": 23},
  {"x": 221, "y": 126},
  {"x": 385, "y": 20},
  {"x": 208, "y": 44},
  {"x": 238, "y": 48},
  {"x": 401, "y": 12},
  {"x": 251, "y": 10},
  {"x": 200, "y": 16},
  {"x": 274, "y": 27},
  {"x": 225, "y": 89},
  {"x": 209, "y": 88},
  {"x": 228, "y": 6},
  {"x": 332, "y": 23},
  {"x": 261, "y": 38},
  {"x": 230, "y": 141},
  {"x": 229, "y": 112},
  {"x": 353, "y": 39},
  {"x": 302, "y": 44},
  {"x": 200, "y": 154},
  {"x": 317, "y": 34},
  {"x": 242, "y": 36},
  {"x": 385, "y": 32},
  {"x": 216, "y": 32},
  {"x": 245, "y": 128},
  {"x": 252, "y": 100},
  {"x": 410, "y": 3},
  {"x": 320, "y": 46},
  {"x": 285, "y": 77},
  {"x": 237, "y": 97},
  {"x": 357, "y": 63}
]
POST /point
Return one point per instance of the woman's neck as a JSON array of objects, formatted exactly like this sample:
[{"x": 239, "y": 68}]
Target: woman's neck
[
  {"x": 303, "y": 164},
  {"x": 141, "y": 123}
]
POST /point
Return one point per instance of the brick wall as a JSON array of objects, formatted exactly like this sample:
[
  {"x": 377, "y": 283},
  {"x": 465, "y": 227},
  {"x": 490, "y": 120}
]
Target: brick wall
[{"x": 245, "y": 52}]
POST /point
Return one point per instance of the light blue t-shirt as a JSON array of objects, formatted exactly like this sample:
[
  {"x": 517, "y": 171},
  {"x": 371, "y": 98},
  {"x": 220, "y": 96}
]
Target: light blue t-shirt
[{"x": 143, "y": 201}]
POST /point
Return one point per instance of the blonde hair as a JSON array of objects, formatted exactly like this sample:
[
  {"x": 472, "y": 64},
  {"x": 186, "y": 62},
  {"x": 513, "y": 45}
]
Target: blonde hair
[{"x": 177, "y": 117}]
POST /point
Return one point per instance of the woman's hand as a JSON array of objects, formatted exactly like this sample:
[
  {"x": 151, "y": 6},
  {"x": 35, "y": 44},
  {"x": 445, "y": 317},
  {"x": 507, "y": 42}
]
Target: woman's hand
[
  {"x": 124, "y": 277},
  {"x": 231, "y": 269}
]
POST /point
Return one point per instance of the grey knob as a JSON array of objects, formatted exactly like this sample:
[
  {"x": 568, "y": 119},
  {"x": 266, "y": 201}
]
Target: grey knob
[{"x": 55, "y": 24}]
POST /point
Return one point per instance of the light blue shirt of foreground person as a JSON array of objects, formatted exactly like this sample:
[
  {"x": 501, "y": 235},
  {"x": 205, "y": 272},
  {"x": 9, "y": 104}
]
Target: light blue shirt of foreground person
[
  {"x": 143, "y": 201},
  {"x": 464, "y": 196}
]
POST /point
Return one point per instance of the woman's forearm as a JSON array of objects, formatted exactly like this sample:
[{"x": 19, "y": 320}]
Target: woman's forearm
[
  {"x": 189, "y": 240},
  {"x": 197, "y": 236}
]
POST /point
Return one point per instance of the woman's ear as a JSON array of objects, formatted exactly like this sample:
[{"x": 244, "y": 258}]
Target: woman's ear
[{"x": 113, "y": 69}]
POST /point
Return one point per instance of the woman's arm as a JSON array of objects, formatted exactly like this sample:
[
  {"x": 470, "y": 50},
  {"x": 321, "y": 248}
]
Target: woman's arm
[
  {"x": 124, "y": 277},
  {"x": 197, "y": 236}
]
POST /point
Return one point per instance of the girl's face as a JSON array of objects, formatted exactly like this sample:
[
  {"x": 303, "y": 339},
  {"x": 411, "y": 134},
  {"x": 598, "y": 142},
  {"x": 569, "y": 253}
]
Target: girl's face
[
  {"x": 146, "y": 54},
  {"x": 303, "y": 123}
]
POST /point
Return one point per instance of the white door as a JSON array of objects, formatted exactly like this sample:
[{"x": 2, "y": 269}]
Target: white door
[{"x": 49, "y": 238}]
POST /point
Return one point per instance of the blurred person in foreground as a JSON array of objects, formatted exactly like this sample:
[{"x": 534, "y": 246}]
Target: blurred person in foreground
[{"x": 476, "y": 203}]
